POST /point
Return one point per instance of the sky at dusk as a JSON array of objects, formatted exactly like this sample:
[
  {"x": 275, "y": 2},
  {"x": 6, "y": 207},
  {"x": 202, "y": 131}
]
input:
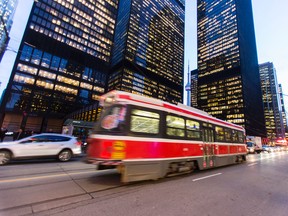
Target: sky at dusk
[{"x": 270, "y": 21}]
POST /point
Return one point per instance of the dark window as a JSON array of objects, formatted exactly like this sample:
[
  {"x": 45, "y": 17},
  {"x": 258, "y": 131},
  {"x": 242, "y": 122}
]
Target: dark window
[
  {"x": 228, "y": 135},
  {"x": 37, "y": 54},
  {"x": 46, "y": 60},
  {"x": 55, "y": 63},
  {"x": 240, "y": 136},
  {"x": 26, "y": 53},
  {"x": 234, "y": 136},
  {"x": 57, "y": 138},
  {"x": 63, "y": 65}
]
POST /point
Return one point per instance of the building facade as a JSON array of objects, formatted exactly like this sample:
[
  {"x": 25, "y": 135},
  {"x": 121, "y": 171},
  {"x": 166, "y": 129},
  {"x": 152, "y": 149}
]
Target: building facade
[
  {"x": 228, "y": 75},
  {"x": 283, "y": 110},
  {"x": 194, "y": 88},
  {"x": 271, "y": 101},
  {"x": 7, "y": 9},
  {"x": 74, "y": 51},
  {"x": 62, "y": 64},
  {"x": 148, "y": 54}
]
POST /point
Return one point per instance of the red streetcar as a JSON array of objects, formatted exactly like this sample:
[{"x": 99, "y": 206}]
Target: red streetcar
[{"x": 145, "y": 138}]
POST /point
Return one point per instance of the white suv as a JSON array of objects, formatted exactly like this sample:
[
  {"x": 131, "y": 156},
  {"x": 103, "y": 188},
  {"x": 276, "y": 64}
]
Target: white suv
[{"x": 50, "y": 145}]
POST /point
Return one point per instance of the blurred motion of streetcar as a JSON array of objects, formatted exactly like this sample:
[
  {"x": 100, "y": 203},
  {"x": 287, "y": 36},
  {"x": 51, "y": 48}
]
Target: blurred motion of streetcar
[{"x": 145, "y": 138}]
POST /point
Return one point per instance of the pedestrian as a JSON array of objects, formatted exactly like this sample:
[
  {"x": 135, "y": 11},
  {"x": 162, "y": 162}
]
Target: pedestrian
[
  {"x": 18, "y": 135},
  {"x": 3, "y": 133}
]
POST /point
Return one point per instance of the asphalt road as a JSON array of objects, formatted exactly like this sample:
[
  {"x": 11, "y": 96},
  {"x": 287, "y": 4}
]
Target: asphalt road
[{"x": 257, "y": 187}]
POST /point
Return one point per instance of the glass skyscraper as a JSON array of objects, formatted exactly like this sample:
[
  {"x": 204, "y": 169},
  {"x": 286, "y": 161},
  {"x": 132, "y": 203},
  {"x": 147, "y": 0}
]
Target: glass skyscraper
[
  {"x": 272, "y": 101},
  {"x": 73, "y": 51},
  {"x": 228, "y": 76},
  {"x": 148, "y": 54},
  {"x": 7, "y": 9},
  {"x": 62, "y": 64},
  {"x": 283, "y": 110}
]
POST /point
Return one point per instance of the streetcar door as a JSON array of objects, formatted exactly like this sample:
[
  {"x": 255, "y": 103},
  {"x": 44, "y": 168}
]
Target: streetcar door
[{"x": 208, "y": 147}]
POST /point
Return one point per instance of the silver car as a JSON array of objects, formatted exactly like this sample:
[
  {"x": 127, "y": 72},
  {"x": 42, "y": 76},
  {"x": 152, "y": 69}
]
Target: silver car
[{"x": 60, "y": 146}]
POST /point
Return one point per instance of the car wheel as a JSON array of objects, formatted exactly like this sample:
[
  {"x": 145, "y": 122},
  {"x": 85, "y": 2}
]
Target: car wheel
[
  {"x": 5, "y": 157},
  {"x": 65, "y": 155}
]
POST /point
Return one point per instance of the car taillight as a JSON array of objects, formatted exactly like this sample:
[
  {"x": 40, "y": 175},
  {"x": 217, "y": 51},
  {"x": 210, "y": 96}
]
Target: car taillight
[{"x": 78, "y": 143}]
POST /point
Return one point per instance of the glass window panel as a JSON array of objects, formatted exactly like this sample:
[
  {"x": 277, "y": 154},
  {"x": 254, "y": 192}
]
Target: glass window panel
[
  {"x": 47, "y": 84},
  {"x": 55, "y": 63},
  {"x": 240, "y": 136},
  {"x": 234, "y": 136},
  {"x": 84, "y": 93},
  {"x": 66, "y": 89},
  {"x": 63, "y": 65},
  {"x": 86, "y": 85},
  {"x": 192, "y": 125},
  {"x": 23, "y": 78},
  {"x": 13, "y": 101},
  {"x": 144, "y": 121},
  {"x": 219, "y": 133},
  {"x": 175, "y": 126},
  {"x": 36, "y": 57},
  {"x": 47, "y": 74},
  {"x": 193, "y": 129},
  {"x": 46, "y": 60},
  {"x": 228, "y": 134},
  {"x": 174, "y": 121},
  {"x": 68, "y": 81},
  {"x": 26, "y": 53},
  {"x": 27, "y": 69}
]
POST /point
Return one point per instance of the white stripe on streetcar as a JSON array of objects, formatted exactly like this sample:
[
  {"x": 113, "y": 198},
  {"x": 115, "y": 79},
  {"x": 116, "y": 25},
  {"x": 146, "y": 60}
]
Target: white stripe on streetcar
[{"x": 206, "y": 177}]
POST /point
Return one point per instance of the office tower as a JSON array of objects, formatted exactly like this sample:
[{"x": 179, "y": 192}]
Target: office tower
[
  {"x": 228, "y": 75},
  {"x": 283, "y": 110},
  {"x": 74, "y": 51},
  {"x": 271, "y": 101},
  {"x": 194, "y": 86},
  {"x": 7, "y": 9},
  {"x": 62, "y": 64},
  {"x": 148, "y": 54}
]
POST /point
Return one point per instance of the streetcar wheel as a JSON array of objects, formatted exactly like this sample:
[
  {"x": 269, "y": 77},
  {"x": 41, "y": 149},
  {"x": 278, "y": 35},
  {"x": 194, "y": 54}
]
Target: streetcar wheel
[
  {"x": 65, "y": 155},
  {"x": 5, "y": 157}
]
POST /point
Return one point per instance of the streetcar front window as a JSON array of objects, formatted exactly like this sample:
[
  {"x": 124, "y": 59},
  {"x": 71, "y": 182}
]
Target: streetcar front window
[{"x": 112, "y": 119}]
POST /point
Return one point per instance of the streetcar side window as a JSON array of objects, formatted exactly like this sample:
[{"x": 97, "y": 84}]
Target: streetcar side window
[
  {"x": 234, "y": 136},
  {"x": 240, "y": 136},
  {"x": 143, "y": 121},
  {"x": 228, "y": 135},
  {"x": 193, "y": 129},
  {"x": 175, "y": 126},
  {"x": 219, "y": 133}
]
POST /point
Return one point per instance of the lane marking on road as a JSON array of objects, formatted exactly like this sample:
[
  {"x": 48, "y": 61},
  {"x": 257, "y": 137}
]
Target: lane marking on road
[
  {"x": 209, "y": 176},
  {"x": 43, "y": 177},
  {"x": 252, "y": 164}
]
